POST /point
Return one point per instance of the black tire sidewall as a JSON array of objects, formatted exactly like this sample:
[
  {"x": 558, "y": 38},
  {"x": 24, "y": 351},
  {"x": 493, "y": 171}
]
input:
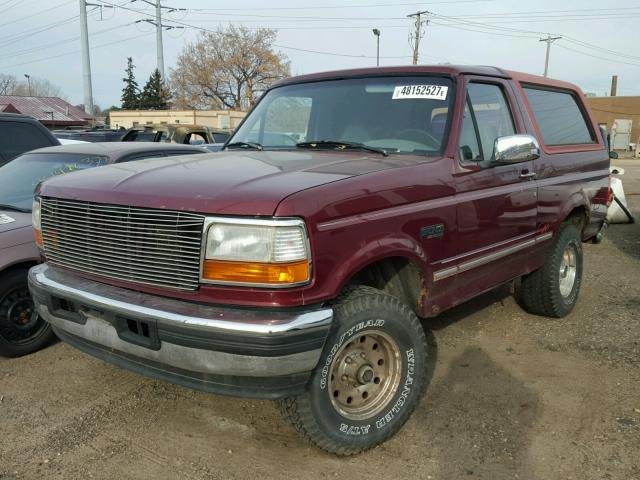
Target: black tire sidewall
[
  {"x": 9, "y": 282},
  {"x": 412, "y": 345}
]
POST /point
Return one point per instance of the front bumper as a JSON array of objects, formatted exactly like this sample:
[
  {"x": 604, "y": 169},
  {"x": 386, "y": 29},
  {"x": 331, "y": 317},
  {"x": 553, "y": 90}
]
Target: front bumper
[{"x": 251, "y": 353}]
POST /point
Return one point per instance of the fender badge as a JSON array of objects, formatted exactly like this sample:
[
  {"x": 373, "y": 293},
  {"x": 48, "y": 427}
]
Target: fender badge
[
  {"x": 6, "y": 219},
  {"x": 432, "y": 231}
]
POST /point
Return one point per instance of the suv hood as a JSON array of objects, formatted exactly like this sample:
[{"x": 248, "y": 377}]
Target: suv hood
[{"x": 232, "y": 182}]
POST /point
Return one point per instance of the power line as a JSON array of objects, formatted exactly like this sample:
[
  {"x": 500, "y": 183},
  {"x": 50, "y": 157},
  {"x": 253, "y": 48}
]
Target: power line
[
  {"x": 76, "y": 51},
  {"x": 338, "y": 6},
  {"x": 599, "y": 48},
  {"x": 12, "y": 6},
  {"x": 504, "y": 14},
  {"x": 28, "y": 33},
  {"x": 459, "y": 27},
  {"x": 286, "y": 47},
  {"x": 39, "y": 12},
  {"x": 524, "y": 34},
  {"x": 40, "y": 47},
  {"x": 598, "y": 57}
]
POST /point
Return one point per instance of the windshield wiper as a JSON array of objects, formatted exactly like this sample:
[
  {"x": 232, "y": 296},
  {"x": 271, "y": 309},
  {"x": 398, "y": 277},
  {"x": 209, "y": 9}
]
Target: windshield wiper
[
  {"x": 254, "y": 145},
  {"x": 14, "y": 208},
  {"x": 341, "y": 146}
]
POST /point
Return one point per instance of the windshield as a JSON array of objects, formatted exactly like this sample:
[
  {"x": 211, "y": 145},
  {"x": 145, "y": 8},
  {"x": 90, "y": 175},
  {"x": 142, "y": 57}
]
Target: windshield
[
  {"x": 19, "y": 178},
  {"x": 406, "y": 115}
]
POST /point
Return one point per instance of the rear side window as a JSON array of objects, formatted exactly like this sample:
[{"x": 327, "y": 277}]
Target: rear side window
[
  {"x": 19, "y": 137},
  {"x": 559, "y": 118}
]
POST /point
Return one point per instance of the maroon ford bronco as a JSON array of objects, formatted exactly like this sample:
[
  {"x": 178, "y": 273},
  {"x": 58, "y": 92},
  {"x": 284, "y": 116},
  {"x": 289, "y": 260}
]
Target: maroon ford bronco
[{"x": 297, "y": 264}]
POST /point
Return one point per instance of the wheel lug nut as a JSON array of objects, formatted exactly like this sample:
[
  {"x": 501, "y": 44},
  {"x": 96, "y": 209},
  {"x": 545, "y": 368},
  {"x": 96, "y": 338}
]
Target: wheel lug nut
[
  {"x": 363, "y": 355},
  {"x": 348, "y": 360},
  {"x": 344, "y": 378}
]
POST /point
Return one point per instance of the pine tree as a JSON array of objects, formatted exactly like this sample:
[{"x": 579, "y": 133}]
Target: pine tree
[
  {"x": 130, "y": 92},
  {"x": 154, "y": 94}
]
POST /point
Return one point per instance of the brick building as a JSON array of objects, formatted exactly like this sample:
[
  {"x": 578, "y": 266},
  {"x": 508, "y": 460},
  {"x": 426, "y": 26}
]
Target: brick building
[{"x": 607, "y": 109}]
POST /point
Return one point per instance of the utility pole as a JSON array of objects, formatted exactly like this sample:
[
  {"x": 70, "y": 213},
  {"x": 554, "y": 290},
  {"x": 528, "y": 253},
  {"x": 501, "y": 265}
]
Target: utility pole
[
  {"x": 418, "y": 34},
  {"x": 159, "y": 26},
  {"x": 86, "y": 61},
  {"x": 549, "y": 41}
]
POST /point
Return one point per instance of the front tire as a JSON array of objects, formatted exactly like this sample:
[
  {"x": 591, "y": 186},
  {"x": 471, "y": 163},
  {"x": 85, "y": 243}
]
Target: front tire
[
  {"x": 552, "y": 290},
  {"x": 370, "y": 377},
  {"x": 22, "y": 330}
]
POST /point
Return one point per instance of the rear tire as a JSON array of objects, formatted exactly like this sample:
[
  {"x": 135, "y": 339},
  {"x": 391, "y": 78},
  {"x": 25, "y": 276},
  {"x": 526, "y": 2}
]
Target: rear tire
[
  {"x": 370, "y": 377},
  {"x": 22, "y": 330},
  {"x": 552, "y": 290}
]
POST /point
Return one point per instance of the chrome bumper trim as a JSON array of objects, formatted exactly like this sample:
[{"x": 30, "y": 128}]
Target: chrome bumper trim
[
  {"x": 101, "y": 332},
  {"x": 174, "y": 312},
  {"x": 100, "y": 302}
]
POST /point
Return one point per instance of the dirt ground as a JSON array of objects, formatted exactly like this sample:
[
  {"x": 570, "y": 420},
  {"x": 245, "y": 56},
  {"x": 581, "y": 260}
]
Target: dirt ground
[{"x": 514, "y": 396}]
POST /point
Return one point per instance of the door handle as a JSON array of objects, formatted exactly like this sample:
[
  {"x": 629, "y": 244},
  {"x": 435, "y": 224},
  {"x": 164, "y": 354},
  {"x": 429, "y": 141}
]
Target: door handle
[{"x": 526, "y": 174}]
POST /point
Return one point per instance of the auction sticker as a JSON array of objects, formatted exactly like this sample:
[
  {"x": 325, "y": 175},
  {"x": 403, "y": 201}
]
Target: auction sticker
[
  {"x": 6, "y": 219},
  {"x": 431, "y": 92}
]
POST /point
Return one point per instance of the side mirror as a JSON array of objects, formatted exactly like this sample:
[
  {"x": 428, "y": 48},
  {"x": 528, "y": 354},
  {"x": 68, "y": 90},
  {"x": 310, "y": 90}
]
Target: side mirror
[
  {"x": 515, "y": 149},
  {"x": 613, "y": 155}
]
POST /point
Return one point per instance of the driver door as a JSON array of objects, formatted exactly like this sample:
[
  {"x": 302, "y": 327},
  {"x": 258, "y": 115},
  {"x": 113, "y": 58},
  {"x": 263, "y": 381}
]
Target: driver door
[{"x": 497, "y": 203}]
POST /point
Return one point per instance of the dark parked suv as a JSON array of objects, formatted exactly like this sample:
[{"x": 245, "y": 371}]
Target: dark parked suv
[
  {"x": 346, "y": 206},
  {"x": 21, "y": 133}
]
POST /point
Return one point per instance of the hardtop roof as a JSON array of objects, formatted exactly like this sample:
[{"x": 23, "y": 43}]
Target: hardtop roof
[{"x": 450, "y": 70}]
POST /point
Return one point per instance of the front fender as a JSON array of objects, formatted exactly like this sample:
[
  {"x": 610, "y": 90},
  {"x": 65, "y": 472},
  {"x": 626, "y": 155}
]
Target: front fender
[{"x": 370, "y": 250}]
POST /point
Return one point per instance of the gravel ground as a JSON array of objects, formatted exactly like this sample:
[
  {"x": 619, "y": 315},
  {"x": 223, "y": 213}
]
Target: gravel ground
[{"x": 513, "y": 397}]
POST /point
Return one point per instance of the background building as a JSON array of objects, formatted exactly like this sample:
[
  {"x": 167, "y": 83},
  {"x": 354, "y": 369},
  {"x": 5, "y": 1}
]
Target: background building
[
  {"x": 52, "y": 112},
  {"x": 608, "y": 109},
  {"x": 227, "y": 119}
]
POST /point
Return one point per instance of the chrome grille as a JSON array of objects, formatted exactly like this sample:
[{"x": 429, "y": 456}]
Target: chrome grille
[{"x": 142, "y": 245}]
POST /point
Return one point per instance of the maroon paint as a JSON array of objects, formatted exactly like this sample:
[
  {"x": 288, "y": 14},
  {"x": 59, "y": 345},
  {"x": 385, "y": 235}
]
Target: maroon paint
[{"x": 360, "y": 208}]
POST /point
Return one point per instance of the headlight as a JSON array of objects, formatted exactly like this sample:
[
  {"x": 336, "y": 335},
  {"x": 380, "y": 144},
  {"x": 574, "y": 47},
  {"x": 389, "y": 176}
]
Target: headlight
[
  {"x": 256, "y": 252},
  {"x": 35, "y": 221}
]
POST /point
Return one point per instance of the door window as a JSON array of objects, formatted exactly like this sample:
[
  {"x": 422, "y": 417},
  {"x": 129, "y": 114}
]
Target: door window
[{"x": 487, "y": 117}]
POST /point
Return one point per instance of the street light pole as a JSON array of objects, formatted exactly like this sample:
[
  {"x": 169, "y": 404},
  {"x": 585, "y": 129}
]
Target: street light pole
[
  {"x": 28, "y": 77},
  {"x": 376, "y": 32}
]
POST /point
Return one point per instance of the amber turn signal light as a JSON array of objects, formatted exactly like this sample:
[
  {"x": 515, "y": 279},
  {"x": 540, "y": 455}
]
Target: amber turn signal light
[
  {"x": 255, "y": 272},
  {"x": 38, "y": 235}
]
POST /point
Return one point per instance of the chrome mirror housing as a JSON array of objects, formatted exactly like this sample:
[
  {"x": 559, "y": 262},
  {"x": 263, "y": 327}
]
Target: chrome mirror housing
[{"x": 516, "y": 148}]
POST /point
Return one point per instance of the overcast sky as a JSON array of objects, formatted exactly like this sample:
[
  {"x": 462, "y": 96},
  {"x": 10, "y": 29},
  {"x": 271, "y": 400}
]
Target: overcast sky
[{"x": 41, "y": 37}]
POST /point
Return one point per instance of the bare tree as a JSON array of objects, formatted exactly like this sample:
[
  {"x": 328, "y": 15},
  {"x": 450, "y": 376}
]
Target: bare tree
[
  {"x": 40, "y": 87},
  {"x": 8, "y": 84},
  {"x": 227, "y": 69}
]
